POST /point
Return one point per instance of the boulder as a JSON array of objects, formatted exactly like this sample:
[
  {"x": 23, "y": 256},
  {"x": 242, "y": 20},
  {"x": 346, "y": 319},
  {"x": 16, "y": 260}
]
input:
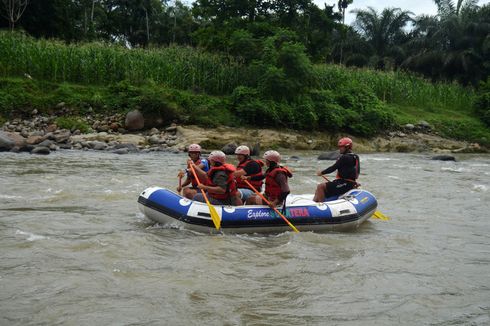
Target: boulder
[
  {"x": 229, "y": 149},
  {"x": 33, "y": 140},
  {"x": 255, "y": 150},
  {"x": 6, "y": 143},
  {"x": 128, "y": 146},
  {"x": 62, "y": 137},
  {"x": 134, "y": 120},
  {"x": 45, "y": 143},
  {"x": 329, "y": 155},
  {"x": 444, "y": 158},
  {"x": 121, "y": 151},
  {"x": 97, "y": 145},
  {"x": 42, "y": 150}
]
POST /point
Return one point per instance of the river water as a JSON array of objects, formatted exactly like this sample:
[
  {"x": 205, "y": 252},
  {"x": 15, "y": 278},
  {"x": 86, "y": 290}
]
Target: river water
[{"x": 75, "y": 250}]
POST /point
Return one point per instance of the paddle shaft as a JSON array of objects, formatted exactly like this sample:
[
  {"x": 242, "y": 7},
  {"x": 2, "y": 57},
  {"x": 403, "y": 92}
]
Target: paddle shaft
[
  {"x": 180, "y": 184},
  {"x": 271, "y": 206},
  {"x": 214, "y": 215}
]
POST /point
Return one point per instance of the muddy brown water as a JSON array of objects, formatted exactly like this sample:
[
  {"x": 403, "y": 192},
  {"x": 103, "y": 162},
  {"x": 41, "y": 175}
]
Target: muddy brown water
[{"x": 75, "y": 250}]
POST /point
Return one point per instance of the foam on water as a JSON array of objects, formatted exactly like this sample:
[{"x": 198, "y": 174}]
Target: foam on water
[
  {"x": 455, "y": 170},
  {"x": 31, "y": 236},
  {"x": 480, "y": 188}
]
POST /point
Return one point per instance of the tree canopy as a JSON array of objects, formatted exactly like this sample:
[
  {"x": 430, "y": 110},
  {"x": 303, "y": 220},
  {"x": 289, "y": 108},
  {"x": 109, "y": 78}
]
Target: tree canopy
[{"x": 453, "y": 45}]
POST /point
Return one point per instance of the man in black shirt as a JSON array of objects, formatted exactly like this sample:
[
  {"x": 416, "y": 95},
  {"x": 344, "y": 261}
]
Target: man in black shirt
[{"x": 348, "y": 169}]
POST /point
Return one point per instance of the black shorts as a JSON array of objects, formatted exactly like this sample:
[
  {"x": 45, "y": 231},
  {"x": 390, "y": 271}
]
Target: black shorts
[{"x": 338, "y": 187}]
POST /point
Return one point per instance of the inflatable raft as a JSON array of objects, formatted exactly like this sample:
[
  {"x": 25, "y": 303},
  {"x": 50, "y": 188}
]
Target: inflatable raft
[{"x": 347, "y": 212}]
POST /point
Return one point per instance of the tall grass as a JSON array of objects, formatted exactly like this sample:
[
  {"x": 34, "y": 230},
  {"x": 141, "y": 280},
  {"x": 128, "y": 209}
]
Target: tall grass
[
  {"x": 399, "y": 88},
  {"x": 193, "y": 69},
  {"x": 98, "y": 63}
]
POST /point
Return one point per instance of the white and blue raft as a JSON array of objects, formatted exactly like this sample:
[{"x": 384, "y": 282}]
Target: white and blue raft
[{"x": 344, "y": 213}]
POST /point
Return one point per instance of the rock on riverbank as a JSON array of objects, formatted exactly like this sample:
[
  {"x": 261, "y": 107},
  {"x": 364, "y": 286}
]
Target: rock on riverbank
[{"x": 40, "y": 135}]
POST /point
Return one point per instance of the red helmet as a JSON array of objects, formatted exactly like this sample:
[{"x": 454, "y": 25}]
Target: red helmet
[
  {"x": 273, "y": 156},
  {"x": 242, "y": 150},
  {"x": 217, "y": 156},
  {"x": 194, "y": 148},
  {"x": 345, "y": 142}
]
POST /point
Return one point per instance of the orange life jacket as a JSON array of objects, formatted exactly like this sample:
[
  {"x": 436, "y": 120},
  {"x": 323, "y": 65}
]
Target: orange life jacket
[
  {"x": 257, "y": 184},
  {"x": 231, "y": 184},
  {"x": 272, "y": 188}
]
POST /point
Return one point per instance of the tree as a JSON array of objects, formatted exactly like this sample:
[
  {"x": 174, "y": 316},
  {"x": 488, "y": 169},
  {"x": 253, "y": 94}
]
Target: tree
[
  {"x": 13, "y": 10},
  {"x": 384, "y": 32},
  {"x": 454, "y": 45},
  {"x": 343, "y": 4}
]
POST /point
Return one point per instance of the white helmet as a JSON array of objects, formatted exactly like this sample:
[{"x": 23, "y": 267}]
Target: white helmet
[
  {"x": 242, "y": 150},
  {"x": 194, "y": 148},
  {"x": 217, "y": 156},
  {"x": 272, "y": 156}
]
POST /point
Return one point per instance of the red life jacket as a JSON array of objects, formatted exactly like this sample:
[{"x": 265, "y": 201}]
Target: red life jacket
[
  {"x": 272, "y": 188},
  {"x": 257, "y": 184},
  {"x": 231, "y": 184}
]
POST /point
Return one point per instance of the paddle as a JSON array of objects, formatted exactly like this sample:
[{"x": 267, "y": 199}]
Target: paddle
[
  {"x": 180, "y": 184},
  {"x": 214, "y": 214},
  {"x": 376, "y": 214},
  {"x": 271, "y": 206}
]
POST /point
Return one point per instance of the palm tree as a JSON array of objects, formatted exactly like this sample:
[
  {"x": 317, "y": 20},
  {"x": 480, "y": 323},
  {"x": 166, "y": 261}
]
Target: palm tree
[
  {"x": 384, "y": 32},
  {"x": 451, "y": 45}
]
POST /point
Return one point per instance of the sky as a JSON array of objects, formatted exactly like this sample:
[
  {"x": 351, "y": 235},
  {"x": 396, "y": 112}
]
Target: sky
[{"x": 418, "y": 7}]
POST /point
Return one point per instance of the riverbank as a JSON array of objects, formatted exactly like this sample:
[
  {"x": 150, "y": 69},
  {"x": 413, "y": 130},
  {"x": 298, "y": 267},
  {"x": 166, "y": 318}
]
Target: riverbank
[{"x": 41, "y": 135}]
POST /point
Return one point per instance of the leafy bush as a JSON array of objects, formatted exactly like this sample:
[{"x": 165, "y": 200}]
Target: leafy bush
[
  {"x": 468, "y": 129},
  {"x": 482, "y": 102},
  {"x": 202, "y": 110},
  {"x": 250, "y": 108},
  {"x": 72, "y": 123}
]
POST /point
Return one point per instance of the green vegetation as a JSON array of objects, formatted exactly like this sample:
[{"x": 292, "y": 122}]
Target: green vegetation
[
  {"x": 99, "y": 63},
  {"x": 72, "y": 123},
  {"x": 482, "y": 102},
  {"x": 280, "y": 88}
]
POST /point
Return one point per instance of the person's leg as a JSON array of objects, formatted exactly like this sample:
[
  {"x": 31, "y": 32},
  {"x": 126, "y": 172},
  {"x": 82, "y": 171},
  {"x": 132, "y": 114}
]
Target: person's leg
[
  {"x": 252, "y": 200},
  {"x": 199, "y": 197},
  {"x": 237, "y": 201},
  {"x": 320, "y": 192},
  {"x": 189, "y": 192},
  {"x": 339, "y": 187},
  {"x": 245, "y": 194}
]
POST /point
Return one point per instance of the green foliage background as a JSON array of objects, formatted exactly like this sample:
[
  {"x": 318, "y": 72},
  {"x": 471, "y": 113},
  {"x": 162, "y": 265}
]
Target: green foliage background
[{"x": 281, "y": 88}]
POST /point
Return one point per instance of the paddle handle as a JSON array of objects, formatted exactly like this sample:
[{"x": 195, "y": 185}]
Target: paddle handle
[{"x": 271, "y": 206}]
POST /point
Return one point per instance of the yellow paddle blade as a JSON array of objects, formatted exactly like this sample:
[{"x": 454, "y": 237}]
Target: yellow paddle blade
[
  {"x": 214, "y": 215},
  {"x": 380, "y": 216}
]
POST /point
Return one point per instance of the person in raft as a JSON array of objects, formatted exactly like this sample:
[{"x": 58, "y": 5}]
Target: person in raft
[
  {"x": 195, "y": 155},
  {"x": 276, "y": 180},
  {"x": 219, "y": 182},
  {"x": 348, "y": 169},
  {"x": 247, "y": 167}
]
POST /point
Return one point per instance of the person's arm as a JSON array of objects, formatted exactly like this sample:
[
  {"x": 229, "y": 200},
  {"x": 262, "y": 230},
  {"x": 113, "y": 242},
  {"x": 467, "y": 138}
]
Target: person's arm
[
  {"x": 220, "y": 180},
  {"x": 186, "y": 182},
  {"x": 203, "y": 176},
  {"x": 256, "y": 178},
  {"x": 331, "y": 168},
  {"x": 282, "y": 181},
  {"x": 239, "y": 173}
]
